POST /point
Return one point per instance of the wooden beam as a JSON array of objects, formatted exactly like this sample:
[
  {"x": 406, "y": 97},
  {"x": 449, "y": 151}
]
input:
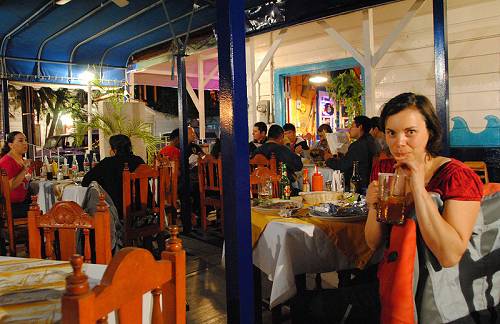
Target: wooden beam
[
  {"x": 342, "y": 42},
  {"x": 193, "y": 95},
  {"x": 391, "y": 38},
  {"x": 211, "y": 75},
  {"x": 269, "y": 55},
  {"x": 368, "y": 45}
]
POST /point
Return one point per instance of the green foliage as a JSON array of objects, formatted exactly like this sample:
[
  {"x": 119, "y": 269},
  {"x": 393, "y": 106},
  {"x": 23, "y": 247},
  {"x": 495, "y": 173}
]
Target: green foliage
[
  {"x": 346, "y": 89},
  {"x": 115, "y": 122}
]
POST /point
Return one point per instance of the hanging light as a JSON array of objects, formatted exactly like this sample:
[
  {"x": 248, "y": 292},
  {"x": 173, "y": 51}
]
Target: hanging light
[
  {"x": 86, "y": 76},
  {"x": 62, "y": 2},
  {"x": 318, "y": 79}
]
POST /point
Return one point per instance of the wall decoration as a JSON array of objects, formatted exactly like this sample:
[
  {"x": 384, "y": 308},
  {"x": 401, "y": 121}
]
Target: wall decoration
[{"x": 461, "y": 136}]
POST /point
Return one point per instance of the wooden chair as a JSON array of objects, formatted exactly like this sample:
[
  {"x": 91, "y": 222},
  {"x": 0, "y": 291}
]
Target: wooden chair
[
  {"x": 480, "y": 168},
  {"x": 171, "y": 169},
  {"x": 256, "y": 177},
  {"x": 132, "y": 273},
  {"x": 211, "y": 189},
  {"x": 13, "y": 224},
  {"x": 63, "y": 220},
  {"x": 143, "y": 202},
  {"x": 260, "y": 160}
]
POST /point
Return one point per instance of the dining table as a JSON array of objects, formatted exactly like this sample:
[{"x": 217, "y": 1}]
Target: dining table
[
  {"x": 51, "y": 191},
  {"x": 284, "y": 247},
  {"x": 31, "y": 290}
]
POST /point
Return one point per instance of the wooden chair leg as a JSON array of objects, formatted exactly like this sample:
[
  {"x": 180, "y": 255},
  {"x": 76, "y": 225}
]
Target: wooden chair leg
[{"x": 12, "y": 239}]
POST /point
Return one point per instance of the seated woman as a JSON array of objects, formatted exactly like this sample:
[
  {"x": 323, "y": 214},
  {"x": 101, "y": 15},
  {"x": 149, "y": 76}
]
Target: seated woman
[
  {"x": 17, "y": 168},
  {"x": 108, "y": 172},
  {"x": 413, "y": 134}
]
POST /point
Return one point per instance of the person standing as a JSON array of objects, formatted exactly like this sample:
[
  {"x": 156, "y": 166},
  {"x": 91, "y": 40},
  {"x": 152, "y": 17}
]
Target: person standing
[
  {"x": 259, "y": 136},
  {"x": 361, "y": 150},
  {"x": 18, "y": 172},
  {"x": 296, "y": 143},
  {"x": 172, "y": 150}
]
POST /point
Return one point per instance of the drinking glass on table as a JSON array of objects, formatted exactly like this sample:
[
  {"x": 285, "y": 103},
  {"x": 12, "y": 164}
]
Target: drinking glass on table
[
  {"x": 391, "y": 198},
  {"x": 265, "y": 188}
]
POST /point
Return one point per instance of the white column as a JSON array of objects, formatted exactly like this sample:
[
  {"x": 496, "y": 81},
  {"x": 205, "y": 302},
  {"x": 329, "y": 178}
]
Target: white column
[
  {"x": 368, "y": 66},
  {"x": 89, "y": 117},
  {"x": 252, "y": 106},
  {"x": 201, "y": 96}
]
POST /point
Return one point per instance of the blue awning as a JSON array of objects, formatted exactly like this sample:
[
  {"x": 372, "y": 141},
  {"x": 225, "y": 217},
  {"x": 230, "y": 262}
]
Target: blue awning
[{"x": 45, "y": 42}]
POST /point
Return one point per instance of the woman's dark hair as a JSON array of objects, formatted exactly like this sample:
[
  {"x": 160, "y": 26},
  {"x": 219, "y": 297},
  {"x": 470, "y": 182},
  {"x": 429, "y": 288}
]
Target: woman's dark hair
[
  {"x": 10, "y": 139},
  {"x": 425, "y": 107},
  {"x": 121, "y": 145},
  {"x": 325, "y": 128}
]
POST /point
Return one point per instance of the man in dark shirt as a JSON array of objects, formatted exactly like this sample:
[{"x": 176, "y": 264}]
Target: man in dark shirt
[
  {"x": 296, "y": 143},
  {"x": 259, "y": 136},
  {"x": 362, "y": 150},
  {"x": 275, "y": 144}
]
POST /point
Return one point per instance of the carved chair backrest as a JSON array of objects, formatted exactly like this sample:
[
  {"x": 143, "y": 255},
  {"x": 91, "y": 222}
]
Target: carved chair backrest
[
  {"x": 62, "y": 222},
  {"x": 143, "y": 197},
  {"x": 123, "y": 291},
  {"x": 260, "y": 160}
]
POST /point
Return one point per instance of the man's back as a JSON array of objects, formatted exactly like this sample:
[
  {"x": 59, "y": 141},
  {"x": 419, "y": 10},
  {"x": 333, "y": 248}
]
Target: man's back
[{"x": 283, "y": 154}]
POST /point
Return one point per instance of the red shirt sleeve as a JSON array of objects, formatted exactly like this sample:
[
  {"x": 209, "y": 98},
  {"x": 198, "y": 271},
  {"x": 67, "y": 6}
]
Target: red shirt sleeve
[{"x": 458, "y": 182}]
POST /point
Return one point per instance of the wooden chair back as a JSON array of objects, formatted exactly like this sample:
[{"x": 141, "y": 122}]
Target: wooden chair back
[
  {"x": 480, "y": 168},
  {"x": 143, "y": 202},
  {"x": 172, "y": 171},
  {"x": 260, "y": 160},
  {"x": 63, "y": 220},
  {"x": 258, "y": 175},
  {"x": 121, "y": 289},
  {"x": 6, "y": 216},
  {"x": 210, "y": 185}
]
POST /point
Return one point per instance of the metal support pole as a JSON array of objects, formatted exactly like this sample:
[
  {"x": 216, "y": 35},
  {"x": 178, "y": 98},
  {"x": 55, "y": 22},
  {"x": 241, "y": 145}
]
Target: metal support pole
[
  {"x": 441, "y": 70},
  {"x": 89, "y": 117},
  {"x": 27, "y": 117},
  {"x": 5, "y": 108},
  {"x": 235, "y": 165},
  {"x": 183, "y": 132}
]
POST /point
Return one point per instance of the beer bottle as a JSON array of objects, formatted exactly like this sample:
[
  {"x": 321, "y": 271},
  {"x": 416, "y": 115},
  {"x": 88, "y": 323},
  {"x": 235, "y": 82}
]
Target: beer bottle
[
  {"x": 305, "y": 181},
  {"x": 74, "y": 167},
  {"x": 285, "y": 189},
  {"x": 355, "y": 184},
  {"x": 86, "y": 164}
]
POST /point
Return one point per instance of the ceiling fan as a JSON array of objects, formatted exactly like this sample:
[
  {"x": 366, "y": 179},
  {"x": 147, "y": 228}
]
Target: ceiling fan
[{"x": 119, "y": 3}]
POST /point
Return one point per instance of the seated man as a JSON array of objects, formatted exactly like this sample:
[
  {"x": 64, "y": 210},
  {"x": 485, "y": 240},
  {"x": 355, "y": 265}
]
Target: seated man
[
  {"x": 172, "y": 150},
  {"x": 379, "y": 137},
  {"x": 319, "y": 149},
  {"x": 362, "y": 150},
  {"x": 259, "y": 136},
  {"x": 275, "y": 144},
  {"x": 296, "y": 144}
]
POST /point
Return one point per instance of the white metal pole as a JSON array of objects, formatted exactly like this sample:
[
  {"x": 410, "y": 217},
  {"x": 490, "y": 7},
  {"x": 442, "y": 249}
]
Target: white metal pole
[{"x": 89, "y": 111}]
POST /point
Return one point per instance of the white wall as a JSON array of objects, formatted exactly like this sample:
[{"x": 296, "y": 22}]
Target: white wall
[{"x": 474, "y": 54}]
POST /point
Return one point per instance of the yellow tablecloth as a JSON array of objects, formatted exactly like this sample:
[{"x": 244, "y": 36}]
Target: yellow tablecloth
[
  {"x": 31, "y": 290},
  {"x": 348, "y": 237}
]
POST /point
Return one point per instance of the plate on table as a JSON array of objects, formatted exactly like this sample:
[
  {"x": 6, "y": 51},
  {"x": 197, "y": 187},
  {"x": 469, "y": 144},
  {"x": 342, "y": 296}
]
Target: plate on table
[
  {"x": 276, "y": 206},
  {"x": 344, "y": 213}
]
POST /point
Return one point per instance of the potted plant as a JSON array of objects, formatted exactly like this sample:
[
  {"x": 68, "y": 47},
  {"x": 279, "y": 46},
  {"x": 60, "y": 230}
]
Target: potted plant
[{"x": 347, "y": 91}]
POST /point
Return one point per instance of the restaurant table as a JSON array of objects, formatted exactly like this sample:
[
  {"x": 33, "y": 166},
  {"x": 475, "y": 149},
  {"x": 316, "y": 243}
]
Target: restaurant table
[
  {"x": 31, "y": 290},
  {"x": 67, "y": 191},
  {"x": 286, "y": 249}
]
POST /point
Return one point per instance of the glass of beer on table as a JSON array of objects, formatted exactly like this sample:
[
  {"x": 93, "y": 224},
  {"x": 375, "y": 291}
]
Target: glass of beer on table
[{"x": 391, "y": 198}]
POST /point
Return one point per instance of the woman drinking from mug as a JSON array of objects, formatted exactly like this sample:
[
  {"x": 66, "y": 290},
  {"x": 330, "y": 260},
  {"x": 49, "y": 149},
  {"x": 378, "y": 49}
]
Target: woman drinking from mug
[
  {"x": 413, "y": 134},
  {"x": 17, "y": 168}
]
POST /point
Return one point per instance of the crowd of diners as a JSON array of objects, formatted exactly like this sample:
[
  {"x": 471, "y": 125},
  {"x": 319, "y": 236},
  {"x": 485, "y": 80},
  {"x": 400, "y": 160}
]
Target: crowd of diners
[{"x": 407, "y": 132}]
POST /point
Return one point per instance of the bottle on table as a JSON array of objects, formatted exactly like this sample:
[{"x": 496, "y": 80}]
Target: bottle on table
[
  {"x": 74, "y": 167},
  {"x": 306, "y": 187},
  {"x": 65, "y": 168},
  {"x": 86, "y": 164},
  {"x": 317, "y": 180},
  {"x": 94, "y": 160},
  {"x": 355, "y": 183},
  {"x": 285, "y": 189}
]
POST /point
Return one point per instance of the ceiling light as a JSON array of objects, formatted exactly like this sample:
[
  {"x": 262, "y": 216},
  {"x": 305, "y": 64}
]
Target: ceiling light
[
  {"x": 62, "y": 2},
  {"x": 86, "y": 76},
  {"x": 318, "y": 79}
]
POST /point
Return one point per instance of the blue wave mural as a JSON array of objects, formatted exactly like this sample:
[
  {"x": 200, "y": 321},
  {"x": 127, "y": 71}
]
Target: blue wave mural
[{"x": 461, "y": 136}]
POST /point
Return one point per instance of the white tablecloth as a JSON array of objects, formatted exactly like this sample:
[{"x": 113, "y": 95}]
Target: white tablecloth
[
  {"x": 46, "y": 196},
  {"x": 94, "y": 273},
  {"x": 288, "y": 249}
]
